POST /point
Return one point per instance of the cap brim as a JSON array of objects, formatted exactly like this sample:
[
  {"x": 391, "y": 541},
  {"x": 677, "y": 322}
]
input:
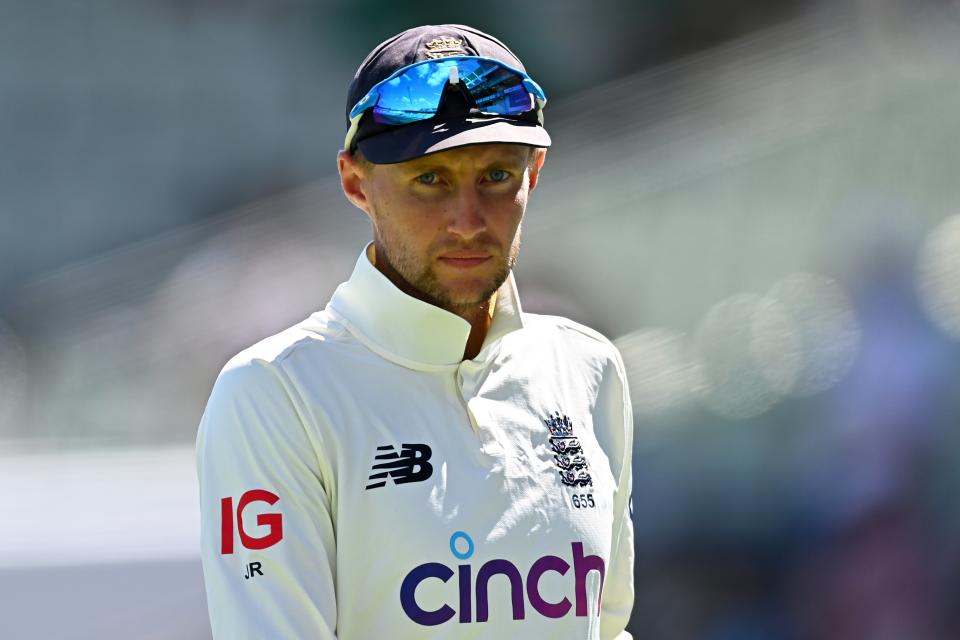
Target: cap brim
[{"x": 411, "y": 141}]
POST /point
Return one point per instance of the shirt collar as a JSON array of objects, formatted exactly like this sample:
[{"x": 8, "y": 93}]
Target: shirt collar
[{"x": 411, "y": 332}]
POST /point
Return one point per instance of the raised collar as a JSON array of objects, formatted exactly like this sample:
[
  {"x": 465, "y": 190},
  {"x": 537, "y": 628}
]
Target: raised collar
[{"x": 411, "y": 332}]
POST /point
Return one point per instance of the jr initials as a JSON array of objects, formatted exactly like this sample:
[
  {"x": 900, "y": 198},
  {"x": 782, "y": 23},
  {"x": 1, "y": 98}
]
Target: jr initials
[{"x": 250, "y": 569}]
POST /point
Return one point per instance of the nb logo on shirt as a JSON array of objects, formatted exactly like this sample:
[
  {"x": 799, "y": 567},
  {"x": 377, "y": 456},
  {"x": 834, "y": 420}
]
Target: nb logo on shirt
[{"x": 412, "y": 464}]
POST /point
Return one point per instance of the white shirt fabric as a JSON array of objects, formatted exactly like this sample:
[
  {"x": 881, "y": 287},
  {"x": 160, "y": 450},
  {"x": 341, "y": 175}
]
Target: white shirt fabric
[{"x": 501, "y": 504}]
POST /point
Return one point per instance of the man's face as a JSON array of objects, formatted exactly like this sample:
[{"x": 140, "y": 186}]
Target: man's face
[{"x": 449, "y": 223}]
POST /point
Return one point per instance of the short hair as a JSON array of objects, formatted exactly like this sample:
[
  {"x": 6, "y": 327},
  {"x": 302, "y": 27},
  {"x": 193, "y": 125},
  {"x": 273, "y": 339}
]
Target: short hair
[
  {"x": 361, "y": 160},
  {"x": 366, "y": 166}
]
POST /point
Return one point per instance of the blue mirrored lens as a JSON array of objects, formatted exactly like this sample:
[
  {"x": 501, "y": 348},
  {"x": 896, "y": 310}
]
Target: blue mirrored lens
[
  {"x": 415, "y": 94},
  {"x": 495, "y": 89}
]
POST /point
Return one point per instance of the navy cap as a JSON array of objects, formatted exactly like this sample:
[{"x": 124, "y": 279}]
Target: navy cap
[{"x": 455, "y": 124}]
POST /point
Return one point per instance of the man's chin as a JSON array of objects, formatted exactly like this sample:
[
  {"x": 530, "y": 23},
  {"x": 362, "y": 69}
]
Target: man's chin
[
  {"x": 465, "y": 299},
  {"x": 465, "y": 295}
]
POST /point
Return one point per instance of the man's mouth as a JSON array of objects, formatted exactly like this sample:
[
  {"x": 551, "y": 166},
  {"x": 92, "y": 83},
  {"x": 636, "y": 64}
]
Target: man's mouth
[{"x": 464, "y": 259}]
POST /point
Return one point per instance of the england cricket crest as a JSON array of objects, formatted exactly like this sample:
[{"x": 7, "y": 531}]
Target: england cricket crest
[{"x": 567, "y": 452}]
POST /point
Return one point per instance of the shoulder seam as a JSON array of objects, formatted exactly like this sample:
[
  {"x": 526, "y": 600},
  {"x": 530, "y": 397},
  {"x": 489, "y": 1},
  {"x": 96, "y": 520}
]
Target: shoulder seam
[
  {"x": 567, "y": 323},
  {"x": 309, "y": 334},
  {"x": 278, "y": 357}
]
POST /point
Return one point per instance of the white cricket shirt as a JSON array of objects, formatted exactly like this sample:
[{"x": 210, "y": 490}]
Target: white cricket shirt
[{"x": 357, "y": 480}]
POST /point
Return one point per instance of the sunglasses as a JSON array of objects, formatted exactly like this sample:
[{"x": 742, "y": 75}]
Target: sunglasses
[{"x": 413, "y": 93}]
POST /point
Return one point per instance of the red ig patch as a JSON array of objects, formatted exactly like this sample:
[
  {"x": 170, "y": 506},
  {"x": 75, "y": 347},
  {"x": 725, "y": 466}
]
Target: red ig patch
[{"x": 272, "y": 520}]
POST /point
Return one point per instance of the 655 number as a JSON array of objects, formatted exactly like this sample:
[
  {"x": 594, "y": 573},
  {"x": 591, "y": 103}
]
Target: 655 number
[{"x": 583, "y": 501}]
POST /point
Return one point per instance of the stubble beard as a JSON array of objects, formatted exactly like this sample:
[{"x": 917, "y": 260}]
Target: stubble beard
[{"x": 421, "y": 276}]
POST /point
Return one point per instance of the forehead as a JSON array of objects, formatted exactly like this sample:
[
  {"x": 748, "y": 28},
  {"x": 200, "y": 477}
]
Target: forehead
[{"x": 469, "y": 156}]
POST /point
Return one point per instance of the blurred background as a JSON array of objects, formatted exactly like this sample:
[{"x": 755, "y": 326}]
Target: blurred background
[{"x": 759, "y": 201}]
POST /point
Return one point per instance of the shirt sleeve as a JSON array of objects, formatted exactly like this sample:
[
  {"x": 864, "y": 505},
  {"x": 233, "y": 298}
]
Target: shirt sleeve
[
  {"x": 267, "y": 536},
  {"x": 617, "y": 602}
]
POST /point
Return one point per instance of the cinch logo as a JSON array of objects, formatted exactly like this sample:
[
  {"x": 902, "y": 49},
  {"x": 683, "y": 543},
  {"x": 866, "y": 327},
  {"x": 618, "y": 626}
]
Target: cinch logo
[{"x": 582, "y": 565}]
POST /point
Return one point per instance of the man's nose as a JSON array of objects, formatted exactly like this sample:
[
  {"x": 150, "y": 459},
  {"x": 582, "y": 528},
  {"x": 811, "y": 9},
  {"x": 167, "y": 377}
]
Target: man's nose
[{"x": 466, "y": 215}]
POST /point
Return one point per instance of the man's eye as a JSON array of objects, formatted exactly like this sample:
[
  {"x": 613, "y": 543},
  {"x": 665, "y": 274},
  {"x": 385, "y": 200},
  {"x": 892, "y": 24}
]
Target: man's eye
[
  {"x": 428, "y": 178},
  {"x": 499, "y": 175}
]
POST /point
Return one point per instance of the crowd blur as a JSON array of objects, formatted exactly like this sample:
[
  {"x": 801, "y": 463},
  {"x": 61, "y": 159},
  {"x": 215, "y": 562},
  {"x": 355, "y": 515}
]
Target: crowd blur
[{"x": 758, "y": 203}]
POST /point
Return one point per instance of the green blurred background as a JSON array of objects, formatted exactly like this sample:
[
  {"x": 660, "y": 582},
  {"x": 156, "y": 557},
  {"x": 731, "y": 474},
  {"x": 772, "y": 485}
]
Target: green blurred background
[{"x": 757, "y": 200}]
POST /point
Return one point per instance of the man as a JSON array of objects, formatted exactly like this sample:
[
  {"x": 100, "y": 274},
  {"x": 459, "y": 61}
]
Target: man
[{"x": 420, "y": 458}]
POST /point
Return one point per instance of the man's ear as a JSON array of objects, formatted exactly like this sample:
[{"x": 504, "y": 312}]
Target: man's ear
[
  {"x": 535, "y": 166},
  {"x": 353, "y": 181}
]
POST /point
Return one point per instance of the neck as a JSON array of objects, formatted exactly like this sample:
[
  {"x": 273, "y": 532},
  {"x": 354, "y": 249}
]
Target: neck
[
  {"x": 480, "y": 323},
  {"x": 479, "y": 316}
]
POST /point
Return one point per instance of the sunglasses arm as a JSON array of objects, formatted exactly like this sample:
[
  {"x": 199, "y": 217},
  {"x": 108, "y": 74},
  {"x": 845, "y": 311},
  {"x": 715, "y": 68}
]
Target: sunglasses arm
[
  {"x": 352, "y": 131},
  {"x": 540, "y": 105}
]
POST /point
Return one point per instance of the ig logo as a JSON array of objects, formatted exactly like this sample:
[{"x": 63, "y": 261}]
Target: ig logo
[{"x": 274, "y": 522}]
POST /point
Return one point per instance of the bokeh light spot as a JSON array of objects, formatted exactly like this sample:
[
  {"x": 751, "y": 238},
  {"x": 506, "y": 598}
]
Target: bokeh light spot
[
  {"x": 750, "y": 354},
  {"x": 826, "y": 327},
  {"x": 938, "y": 276}
]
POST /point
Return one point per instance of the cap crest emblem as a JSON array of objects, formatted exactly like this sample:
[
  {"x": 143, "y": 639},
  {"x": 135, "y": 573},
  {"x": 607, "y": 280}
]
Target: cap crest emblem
[{"x": 445, "y": 46}]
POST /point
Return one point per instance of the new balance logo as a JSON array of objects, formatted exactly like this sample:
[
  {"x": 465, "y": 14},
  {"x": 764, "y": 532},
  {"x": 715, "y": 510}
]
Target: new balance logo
[{"x": 412, "y": 464}]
